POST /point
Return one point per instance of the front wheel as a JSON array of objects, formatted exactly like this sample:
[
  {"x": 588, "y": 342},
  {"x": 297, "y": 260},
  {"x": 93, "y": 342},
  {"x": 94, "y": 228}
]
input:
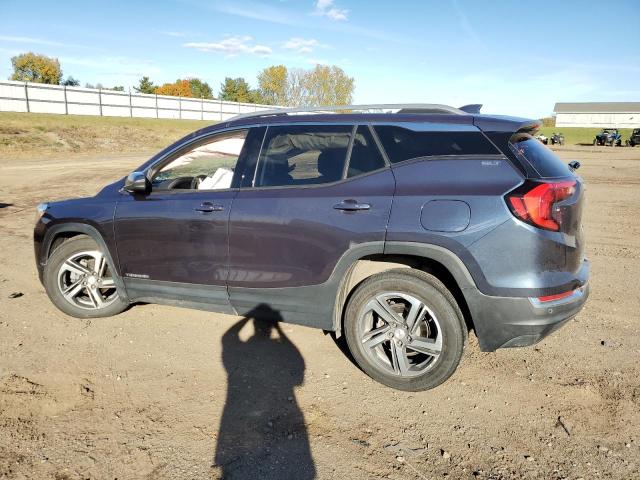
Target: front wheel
[
  {"x": 405, "y": 329},
  {"x": 80, "y": 282}
]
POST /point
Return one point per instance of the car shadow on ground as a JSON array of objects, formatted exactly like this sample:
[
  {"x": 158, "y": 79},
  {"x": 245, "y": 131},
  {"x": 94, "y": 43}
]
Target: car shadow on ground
[{"x": 262, "y": 432}]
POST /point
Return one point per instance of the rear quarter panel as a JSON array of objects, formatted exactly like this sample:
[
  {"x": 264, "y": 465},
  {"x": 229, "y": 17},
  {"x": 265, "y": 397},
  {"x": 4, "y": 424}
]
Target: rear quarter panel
[{"x": 480, "y": 182}]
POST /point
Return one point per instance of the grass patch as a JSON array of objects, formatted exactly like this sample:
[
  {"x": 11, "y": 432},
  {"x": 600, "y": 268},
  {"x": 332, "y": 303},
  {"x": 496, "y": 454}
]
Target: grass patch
[
  {"x": 581, "y": 136},
  {"x": 41, "y": 134}
]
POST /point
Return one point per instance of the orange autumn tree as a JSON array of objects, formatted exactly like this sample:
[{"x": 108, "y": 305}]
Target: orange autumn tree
[{"x": 180, "y": 88}]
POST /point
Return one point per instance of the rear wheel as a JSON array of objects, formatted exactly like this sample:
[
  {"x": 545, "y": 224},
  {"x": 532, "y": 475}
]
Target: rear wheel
[
  {"x": 405, "y": 330},
  {"x": 80, "y": 282}
]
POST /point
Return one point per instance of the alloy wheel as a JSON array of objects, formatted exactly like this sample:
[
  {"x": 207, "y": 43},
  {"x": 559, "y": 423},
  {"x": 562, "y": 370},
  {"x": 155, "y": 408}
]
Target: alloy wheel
[
  {"x": 400, "y": 334},
  {"x": 85, "y": 280}
]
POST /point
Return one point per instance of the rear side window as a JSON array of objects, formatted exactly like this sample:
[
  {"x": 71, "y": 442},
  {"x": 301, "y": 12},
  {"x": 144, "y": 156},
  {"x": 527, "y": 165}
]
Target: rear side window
[
  {"x": 365, "y": 155},
  {"x": 541, "y": 158},
  {"x": 402, "y": 143},
  {"x": 303, "y": 155}
]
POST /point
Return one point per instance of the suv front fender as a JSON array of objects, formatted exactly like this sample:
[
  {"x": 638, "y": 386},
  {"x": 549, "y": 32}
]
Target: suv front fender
[{"x": 43, "y": 248}]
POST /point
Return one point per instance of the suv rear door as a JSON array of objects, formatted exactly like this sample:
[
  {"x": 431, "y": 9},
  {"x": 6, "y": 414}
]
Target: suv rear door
[{"x": 318, "y": 192}]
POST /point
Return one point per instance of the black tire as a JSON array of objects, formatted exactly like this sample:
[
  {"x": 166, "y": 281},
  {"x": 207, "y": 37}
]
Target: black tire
[
  {"x": 436, "y": 297},
  {"x": 51, "y": 277}
]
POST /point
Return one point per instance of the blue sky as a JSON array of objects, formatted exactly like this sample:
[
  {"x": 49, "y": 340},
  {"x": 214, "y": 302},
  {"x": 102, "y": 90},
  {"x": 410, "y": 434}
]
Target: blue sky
[{"x": 514, "y": 57}]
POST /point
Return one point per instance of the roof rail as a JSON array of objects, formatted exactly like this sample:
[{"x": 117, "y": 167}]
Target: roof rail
[{"x": 401, "y": 108}]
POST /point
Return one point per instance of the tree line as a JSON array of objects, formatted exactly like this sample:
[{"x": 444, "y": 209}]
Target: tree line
[{"x": 276, "y": 85}]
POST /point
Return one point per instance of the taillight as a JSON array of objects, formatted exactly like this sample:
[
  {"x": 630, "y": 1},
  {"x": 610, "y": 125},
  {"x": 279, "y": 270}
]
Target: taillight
[{"x": 533, "y": 202}]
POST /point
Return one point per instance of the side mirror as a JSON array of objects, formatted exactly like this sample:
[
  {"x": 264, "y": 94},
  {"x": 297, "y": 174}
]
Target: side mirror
[
  {"x": 137, "y": 183},
  {"x": 574, "y": 165}
]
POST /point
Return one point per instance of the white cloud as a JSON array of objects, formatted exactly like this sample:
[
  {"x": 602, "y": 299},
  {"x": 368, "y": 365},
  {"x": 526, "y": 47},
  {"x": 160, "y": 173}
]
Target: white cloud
[
  {"x": 232, "y": 46},
  {"x": 301, "y": 45},
  {"x": 326, "y": 8}
]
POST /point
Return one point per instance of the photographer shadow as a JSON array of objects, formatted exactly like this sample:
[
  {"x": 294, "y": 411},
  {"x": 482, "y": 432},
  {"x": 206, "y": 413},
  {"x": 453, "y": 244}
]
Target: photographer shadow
[{"x": 262, "y": 432}]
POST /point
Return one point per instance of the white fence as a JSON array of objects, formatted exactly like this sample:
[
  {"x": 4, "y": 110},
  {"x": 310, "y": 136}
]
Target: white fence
[{"x": 42, "y": 98}]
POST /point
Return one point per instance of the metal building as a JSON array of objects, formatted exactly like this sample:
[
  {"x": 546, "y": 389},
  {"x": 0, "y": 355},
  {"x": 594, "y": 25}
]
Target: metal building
[{"x": 598, "y": 114}]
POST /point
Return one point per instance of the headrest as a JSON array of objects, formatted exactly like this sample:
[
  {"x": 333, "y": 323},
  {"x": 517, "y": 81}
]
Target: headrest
[{"x": 331, "y": 163}]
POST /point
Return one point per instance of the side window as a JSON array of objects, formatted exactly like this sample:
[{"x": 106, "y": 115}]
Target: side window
[
  {"x": 208, "y": 166},
  {"x": 541, "y": 158},
  {"x": 365, "y": 155},
  {"x": 303, "y": 155},
  {"x": 402, "y": 143}
]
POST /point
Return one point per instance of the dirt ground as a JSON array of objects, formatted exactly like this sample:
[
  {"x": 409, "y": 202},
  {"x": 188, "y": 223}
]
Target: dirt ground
[{"x": 160, "y": 392}]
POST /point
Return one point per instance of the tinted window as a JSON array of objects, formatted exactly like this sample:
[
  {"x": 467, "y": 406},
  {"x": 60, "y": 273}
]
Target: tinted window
[
  {"x": 401, "y": 143},
  {"x": 541, "y": 158},
  {"x": 303, "y": 155},
  {"x": 208, "y": 166},
  {"x": 365, "y": 155}
]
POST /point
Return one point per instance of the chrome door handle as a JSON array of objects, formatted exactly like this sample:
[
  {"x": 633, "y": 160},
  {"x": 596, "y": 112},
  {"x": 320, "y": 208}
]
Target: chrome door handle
[
  {"x": 208, "y": 207},
  {"x": 351, "y": 205}
]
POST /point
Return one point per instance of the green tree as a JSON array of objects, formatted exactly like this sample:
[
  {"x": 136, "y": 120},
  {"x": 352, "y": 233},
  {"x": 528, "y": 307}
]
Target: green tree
[
  {"x": 235, "y": 90},
  {"x": 145, "y": 86},
  {"x": 200, "y": 89},
  {"x": 255, "y": 96},
  {"x": 70, "y": 82},
  {"x": 272, "y": 85},
  {"x": 118, "y": 88},
  {"x": 31, "y": 67},
  {"x": 328, "y": 85}
]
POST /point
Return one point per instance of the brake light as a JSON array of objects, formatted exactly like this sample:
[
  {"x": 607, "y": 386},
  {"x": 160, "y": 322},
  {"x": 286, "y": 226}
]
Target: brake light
[
  {"x": 557, "y": 296},
  {"x": 533, "y": 202}
]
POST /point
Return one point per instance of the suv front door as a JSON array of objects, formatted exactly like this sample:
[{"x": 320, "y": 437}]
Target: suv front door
[
  {"x": 173, "y": 244},
  {"x": 319, "y": 194}
]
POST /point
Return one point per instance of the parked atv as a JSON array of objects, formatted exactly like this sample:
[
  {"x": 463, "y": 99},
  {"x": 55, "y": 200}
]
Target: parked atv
[
  {"x": 557, "y": 139},
  {"x": 610, "y": 137},
  {"x": 634, "y": 139},
  {"x": 543, "y": 139}
]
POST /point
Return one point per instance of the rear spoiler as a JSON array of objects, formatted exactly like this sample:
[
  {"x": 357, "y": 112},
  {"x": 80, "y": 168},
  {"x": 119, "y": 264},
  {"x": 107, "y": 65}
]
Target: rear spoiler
[
  {"x": 473, "y": 108},
  {"x": 499, "y": 123}
]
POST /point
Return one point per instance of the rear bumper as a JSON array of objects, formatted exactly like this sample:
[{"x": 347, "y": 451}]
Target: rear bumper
[{"x": 502, "y": 322}]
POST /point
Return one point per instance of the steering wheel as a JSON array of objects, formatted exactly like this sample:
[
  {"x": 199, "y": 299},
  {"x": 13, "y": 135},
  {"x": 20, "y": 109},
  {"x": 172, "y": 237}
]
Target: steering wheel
[
  {"x": 178, "y": 183},
  {"x": 196, "y": 181}
]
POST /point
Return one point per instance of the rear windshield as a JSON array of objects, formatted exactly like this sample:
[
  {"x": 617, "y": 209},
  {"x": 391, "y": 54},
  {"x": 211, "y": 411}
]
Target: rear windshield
[{"x": 541, "y": 158}]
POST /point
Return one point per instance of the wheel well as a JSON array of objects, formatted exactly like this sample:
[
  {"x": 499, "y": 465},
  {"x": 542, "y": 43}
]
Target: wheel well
[
  {"x": 60, "y": 238},
  {"x": 373, "y": 264}
]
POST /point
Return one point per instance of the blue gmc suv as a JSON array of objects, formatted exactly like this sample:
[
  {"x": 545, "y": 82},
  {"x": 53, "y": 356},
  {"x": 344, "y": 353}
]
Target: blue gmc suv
[{"x": 400, "y": 228}]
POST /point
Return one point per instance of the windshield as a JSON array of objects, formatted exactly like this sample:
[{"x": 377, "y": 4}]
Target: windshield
[{"x": 541, "y": 158}]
